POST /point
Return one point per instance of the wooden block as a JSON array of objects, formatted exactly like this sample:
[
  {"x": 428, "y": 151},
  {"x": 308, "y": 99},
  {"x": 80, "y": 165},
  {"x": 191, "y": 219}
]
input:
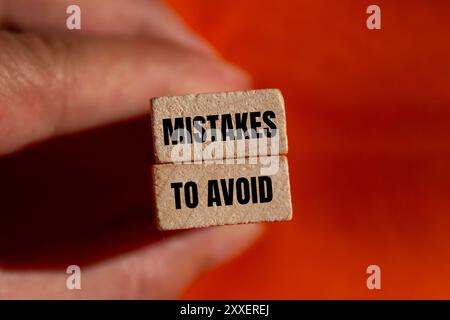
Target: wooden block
[
  {"x": 201, "y": 195},
  {"x": 246, "y": 117}
]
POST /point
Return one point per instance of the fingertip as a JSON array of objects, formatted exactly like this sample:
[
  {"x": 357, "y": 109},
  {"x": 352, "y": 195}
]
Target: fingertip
[
  {"x": 228, "y": 242},
  {"x": 206, "y": 73},
  {"x": 237, "y": 78}
]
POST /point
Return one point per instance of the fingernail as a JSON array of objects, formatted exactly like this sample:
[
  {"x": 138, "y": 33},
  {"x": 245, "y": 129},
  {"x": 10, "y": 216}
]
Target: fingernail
[
  {"x": 230, "y": 241},
  {"x": 208, "y": 74}
]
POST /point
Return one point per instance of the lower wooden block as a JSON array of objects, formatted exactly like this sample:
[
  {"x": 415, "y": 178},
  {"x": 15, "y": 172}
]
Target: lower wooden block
[{"x": 201, "y": 195}]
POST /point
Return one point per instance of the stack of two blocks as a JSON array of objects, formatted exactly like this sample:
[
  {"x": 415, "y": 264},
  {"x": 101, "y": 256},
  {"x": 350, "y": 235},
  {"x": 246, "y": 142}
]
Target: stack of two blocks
[{"x": 220, "y": 159}]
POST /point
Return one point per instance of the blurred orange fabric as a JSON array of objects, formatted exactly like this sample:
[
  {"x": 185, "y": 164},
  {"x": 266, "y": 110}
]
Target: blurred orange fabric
[{"x": 369, "y": 145}]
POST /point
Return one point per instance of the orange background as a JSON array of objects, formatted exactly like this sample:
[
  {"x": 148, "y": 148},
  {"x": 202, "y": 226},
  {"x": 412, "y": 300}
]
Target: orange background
[{"x": 369, "y": 145}]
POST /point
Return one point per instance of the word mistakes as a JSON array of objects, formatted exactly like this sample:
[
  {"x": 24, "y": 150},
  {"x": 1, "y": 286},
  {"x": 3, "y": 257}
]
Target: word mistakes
[{"x": 238, "y": 117}]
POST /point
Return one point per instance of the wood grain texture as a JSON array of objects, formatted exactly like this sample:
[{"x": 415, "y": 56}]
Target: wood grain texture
[
  {"x": 205, "y": 177},
  {"x": 257, "y": 107}
]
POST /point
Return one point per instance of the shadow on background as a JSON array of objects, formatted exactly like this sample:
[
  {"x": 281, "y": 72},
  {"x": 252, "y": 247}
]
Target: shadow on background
[{"x": 78, "y": 198}]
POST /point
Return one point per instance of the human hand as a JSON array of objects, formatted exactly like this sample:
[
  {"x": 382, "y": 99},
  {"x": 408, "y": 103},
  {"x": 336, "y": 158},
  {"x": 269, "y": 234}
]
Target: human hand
[{"x": 80, "y": 193}]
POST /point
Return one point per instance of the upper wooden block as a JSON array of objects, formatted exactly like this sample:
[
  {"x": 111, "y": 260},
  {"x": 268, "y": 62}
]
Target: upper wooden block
[{"x": 246, "y": 123}]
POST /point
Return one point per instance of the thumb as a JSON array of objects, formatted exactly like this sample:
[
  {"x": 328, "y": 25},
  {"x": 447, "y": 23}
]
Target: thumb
[{"x": 159, "y": 271}]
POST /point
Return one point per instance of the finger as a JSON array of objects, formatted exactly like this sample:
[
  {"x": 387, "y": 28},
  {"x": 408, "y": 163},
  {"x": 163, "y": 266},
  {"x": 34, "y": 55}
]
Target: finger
[
  {"x": 51, "y": 86},
  {"x": 159, "y": 272},
  {"x": 112, "y": 17}
]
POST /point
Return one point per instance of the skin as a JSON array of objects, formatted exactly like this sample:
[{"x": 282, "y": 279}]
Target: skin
[{"x": 55, "y": 82}]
